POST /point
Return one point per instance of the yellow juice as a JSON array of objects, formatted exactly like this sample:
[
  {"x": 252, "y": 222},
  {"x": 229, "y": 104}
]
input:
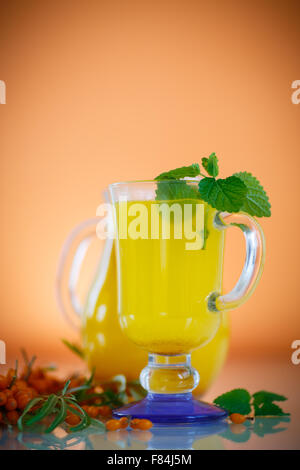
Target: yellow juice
[
  {"x": 110, "y": 352},
  {"x": 164, "y": 286}
]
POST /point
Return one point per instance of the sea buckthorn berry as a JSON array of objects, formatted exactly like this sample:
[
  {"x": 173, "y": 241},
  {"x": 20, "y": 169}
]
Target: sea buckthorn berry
[
  {"x": 73, "y": 383},
  {"x": 237, "y": 418},
  {"x": 8, "y": 392},
  {"x": 21, "y": 384},
  {"x": 14, "y": 389},
  {"x": 112, "y": 425},
  {"x": 10, "y": 375},
  {"x": 74, "y": 407},
  {"x": 26, "y": 391},
  {"x": 123, "y": 422},
  {"x": 72, "y": 419},
  {"x": 12, "y": 416},
  {"x": 134, "y": 423},
  {"x": 3, "y": 398},
  {"x": 3, "y": 382},
  {"x": 98, "y": 389},
  {"x": 93, "y": 411},
  {"x": 32, "y": 392},
  {"x": 37, "y": 374},
  {"x": 18, "y": 394},
  {"x": 11, "y": 404},
  {"x": 104, "y": 410},
  {"x": 144, "y": 424},
  {"x": 22, "y": 400},
  {"x": 40, "y": 385}
]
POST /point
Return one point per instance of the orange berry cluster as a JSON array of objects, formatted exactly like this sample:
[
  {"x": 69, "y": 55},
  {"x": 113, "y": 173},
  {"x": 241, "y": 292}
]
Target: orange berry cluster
[
  {"x": 14, "y": 398},
  {"x": 16, "y": 393},
  {"x": 95, "y": 412},
  {"x": 123, "y": 423}
]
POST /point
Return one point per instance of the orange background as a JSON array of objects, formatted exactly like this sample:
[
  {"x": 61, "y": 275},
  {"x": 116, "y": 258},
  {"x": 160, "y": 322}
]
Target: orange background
[{"x": 103, "y": 91}]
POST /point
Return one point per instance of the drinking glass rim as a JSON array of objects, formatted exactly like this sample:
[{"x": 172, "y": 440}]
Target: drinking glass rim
[{"x": 189, "y": 180}]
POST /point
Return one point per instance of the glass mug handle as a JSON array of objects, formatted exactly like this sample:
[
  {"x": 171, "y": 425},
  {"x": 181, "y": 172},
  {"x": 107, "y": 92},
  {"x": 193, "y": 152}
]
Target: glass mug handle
[
  {"x": 254, "y": 262},
  {"x": 69, "y": 267}
]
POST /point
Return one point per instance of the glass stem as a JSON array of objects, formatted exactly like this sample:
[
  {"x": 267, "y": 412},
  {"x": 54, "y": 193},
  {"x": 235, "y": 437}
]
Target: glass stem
[{"x": 169, "y": 374}]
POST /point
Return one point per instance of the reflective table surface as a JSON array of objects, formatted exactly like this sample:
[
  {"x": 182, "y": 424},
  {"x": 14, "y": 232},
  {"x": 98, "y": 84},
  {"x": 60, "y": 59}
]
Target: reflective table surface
[{"x": 276, "y": 375}]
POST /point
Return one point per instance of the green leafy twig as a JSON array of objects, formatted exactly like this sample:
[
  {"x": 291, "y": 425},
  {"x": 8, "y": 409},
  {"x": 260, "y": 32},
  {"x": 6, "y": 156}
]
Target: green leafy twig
[
  {"x": 264, "y": 405},
  {"x": 182, "y": 172},
  {"x": 28, "y": 363},
  {"x": 211, "y": 165},
  {"x": 239, "y": 192},
  {"x": 74, "y": 348},
  {"x": 236, "y": 401},
  {"x": 56, "y": 406},
  {"x": 28, "y": 408},
  {"x": 80, "y": 392},
  {"x": 15, "y": 376},
  {"x": 242, "y": 402}
]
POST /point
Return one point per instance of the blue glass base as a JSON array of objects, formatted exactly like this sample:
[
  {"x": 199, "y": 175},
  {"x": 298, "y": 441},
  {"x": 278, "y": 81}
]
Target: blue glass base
[{"x": 171, "y": 408}]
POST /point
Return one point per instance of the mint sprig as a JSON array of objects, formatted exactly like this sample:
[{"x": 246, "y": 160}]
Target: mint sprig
[
  {"x": 239, "y": 192},
  {"x": 241, "y": 401},
  {"x": 182, "y": 172},
  {"x": 264, "y": 405},
  {"x": 176, "y": 189},
  {"x": 210, "y": 164},
  {"x": 263, "y": 396},
  {"x": 223, "y": 194},
  {"x": 256, "y": 201},
  {"x": 236, "y": 401}
]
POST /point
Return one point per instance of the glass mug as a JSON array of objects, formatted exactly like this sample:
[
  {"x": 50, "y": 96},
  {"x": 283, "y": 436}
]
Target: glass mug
[
  {"x": 106, "y": 348},
  {"x": 169, "y": 289}
]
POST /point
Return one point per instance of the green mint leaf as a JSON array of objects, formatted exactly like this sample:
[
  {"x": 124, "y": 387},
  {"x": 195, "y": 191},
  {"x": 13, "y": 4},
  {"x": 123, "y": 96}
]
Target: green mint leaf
[
  {"x": 264, "y": 406},
  {"x": 182, "y": 172},
  {"x": 263, "y": 396},
  {"x": 210, "y": 164},
  {"x": 269, "y": 409},
  {"x": 176, "y": 190},
  {"x": 223, "y": 194},
  {"x": 236, "y": 401},
  {"x": 256, "y": 202}
]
